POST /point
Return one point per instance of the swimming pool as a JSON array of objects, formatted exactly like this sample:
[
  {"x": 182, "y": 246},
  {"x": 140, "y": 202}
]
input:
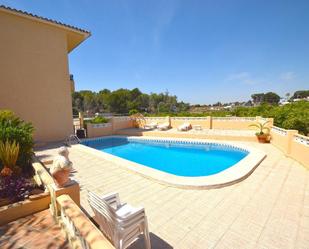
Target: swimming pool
[
  {"x": 181, "y": 158},
  {"x": 185, "y": 163}
]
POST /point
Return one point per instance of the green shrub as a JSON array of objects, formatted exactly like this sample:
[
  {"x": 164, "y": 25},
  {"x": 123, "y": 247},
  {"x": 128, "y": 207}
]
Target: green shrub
[
  {"x": 132, "y": 112},
  {"x": 12, "y": 128},
  {"x": 9, "y": 153},
  {"x": 97, "y": 120},
  {"x": 291, "y": 116}
]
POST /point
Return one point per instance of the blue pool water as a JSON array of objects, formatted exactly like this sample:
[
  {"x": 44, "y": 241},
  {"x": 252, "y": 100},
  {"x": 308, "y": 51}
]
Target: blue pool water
[{"x": 175, "y": 158}]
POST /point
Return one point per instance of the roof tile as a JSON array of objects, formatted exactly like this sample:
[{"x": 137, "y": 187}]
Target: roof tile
[{"x": 44, "y": 19}]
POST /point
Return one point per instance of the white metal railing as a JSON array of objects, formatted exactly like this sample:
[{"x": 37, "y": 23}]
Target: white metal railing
[
  {"x": 234, "y": 118},
  {"x": 301, "y": 139},
  {"x": 73, "y": 137},
  {"x": 264, "y": 119},
  {"x": 102, "y": 125},
  {"x": 189, "y": 118},
  {"x": 122, "y": 118},
  {"x": 155, "y": 118},
  {"x": 279, "y": 131}
]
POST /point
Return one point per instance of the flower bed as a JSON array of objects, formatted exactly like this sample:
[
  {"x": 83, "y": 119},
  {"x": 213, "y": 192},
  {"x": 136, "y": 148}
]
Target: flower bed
[
  {"x": 18, "y": 188},
  {"x": 16, "y": 151}
]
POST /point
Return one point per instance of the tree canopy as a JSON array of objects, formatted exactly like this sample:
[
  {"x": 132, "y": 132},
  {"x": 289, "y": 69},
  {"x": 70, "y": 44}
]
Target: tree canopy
[
  {"x": 300, "y": 94},
  {"x": 270, "y": 98},
  {"x": 122, "y": 101}
]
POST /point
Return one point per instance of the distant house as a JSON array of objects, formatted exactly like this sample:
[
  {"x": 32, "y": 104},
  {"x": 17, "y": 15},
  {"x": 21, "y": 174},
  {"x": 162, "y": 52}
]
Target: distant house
[
  {"x": 34, "y": 75},
  {"x": 301, "y": 99}
]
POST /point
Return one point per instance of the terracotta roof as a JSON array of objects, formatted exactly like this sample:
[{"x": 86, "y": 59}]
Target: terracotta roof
[{"x": 43, "y": 18}]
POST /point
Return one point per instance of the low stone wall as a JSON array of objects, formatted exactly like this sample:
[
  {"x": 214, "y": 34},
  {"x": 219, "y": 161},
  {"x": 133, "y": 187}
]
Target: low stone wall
[
  {"x": 80, "y": 231},
  {"x": 42, "y": 201},
  {"x": 282, "y": 138},
  {"x": 99, "y": 130},
  {"x": 291, "y": 143},
  {"x": 24, "y": 208},
  {"x": 299, "y": 149},
  {"x": 106, "y": 129},
  {"x": 122, "y": 123},
  {"x": 231, "y": 123},
  {"x": 219, "y": 123},
  {"x": 204, "y": 122}
]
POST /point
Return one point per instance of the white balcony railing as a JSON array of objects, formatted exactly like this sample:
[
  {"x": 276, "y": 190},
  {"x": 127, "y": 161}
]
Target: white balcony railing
[
  {"x": 301, "y": 139},
  {"x": 279, "y": 131}
]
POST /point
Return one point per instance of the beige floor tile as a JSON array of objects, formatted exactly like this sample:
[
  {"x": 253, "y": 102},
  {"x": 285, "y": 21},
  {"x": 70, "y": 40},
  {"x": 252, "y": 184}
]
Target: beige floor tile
[{"x": 269, "y": 209}]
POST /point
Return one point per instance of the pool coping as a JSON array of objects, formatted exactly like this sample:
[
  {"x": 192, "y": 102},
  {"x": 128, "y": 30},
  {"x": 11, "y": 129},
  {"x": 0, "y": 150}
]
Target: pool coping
[{"x": 229, "y": 176}]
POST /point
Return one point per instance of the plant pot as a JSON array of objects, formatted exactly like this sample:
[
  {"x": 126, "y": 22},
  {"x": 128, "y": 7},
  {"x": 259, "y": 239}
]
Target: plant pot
[
  {"x": 61, "y": 177},
  {"x": 264, "y": 138}
]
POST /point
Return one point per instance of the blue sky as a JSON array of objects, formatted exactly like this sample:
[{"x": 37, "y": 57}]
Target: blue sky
[{"x": 202, "y": 51}]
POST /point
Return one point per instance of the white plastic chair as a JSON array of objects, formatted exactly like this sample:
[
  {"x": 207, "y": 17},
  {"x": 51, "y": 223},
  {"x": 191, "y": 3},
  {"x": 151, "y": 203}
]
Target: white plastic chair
[{"x": 121, "y": 223}]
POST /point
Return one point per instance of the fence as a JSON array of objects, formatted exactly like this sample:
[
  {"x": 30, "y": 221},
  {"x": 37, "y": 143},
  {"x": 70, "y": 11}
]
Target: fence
[
  {"x": 114, "y": 124},
  {"x": 219, "y": 123},
  {"x": 223, "y": 123},
  {"x": 291, "y": 143}
]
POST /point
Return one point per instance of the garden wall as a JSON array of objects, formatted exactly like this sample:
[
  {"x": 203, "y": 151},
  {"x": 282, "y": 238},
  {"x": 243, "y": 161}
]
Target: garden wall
[
  {"x": 204, "y": 122},
  {"x": 98, "y": 130},
  {"x": 39, "y": 202},
  {"x": 80, "y": 231},
  {"x": 105, "y": 129},
  {"x": 300, "y": 149},
  {"x": 121, "y": 123},
  {"x": 220, "y": 123},
  {"x": 237, "y": 123},
  {"x": 291, "y": 143}
]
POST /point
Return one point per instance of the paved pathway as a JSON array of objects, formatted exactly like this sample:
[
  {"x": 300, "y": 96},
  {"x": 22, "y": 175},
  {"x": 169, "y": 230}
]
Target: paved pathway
[
  {"x": 37, "y": 231},
  {"x": 270, "y": 209}
]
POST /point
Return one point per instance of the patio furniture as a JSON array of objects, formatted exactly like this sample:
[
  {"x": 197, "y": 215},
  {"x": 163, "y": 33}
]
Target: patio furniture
[
  {"x": 150, "y": 126},
  {"x": 163, "y": 127},
  {"x": 121, "y": 223},
  {"x": 197, "y": 127},
  {"x": 184, "y": 127}
]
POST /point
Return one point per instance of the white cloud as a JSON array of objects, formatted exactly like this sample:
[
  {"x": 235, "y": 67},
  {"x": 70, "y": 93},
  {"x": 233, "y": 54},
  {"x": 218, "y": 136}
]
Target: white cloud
[
  {"x": 243, "y": 77},
  {"x": 287, "y": 76}
]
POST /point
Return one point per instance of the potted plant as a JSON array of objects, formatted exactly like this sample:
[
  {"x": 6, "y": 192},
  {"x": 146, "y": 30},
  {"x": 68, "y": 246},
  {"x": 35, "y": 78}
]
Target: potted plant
[
  {"x": 138, "y": 120},
  {"x": 263, "y": 131},
  {"x": 61, "y": 167},
  {"x": 8, "y": 155}
]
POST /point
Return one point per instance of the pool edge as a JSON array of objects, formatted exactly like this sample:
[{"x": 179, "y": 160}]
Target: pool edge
[{"x": 236, "y": 173}]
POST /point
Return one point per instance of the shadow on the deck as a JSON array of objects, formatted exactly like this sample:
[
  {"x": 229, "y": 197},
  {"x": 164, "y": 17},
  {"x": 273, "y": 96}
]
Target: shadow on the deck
[{"x": 156, "y": 243}]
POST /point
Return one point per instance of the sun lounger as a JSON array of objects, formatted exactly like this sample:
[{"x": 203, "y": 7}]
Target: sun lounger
[
  {"x": 184, "y": 127},
  {"x": 152, "y": 125},
  {"x": 163, "y": 127}
]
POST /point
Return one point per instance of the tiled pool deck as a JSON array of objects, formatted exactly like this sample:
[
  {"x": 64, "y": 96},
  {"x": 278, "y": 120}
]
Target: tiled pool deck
[{"x": 269, "y": 209}]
